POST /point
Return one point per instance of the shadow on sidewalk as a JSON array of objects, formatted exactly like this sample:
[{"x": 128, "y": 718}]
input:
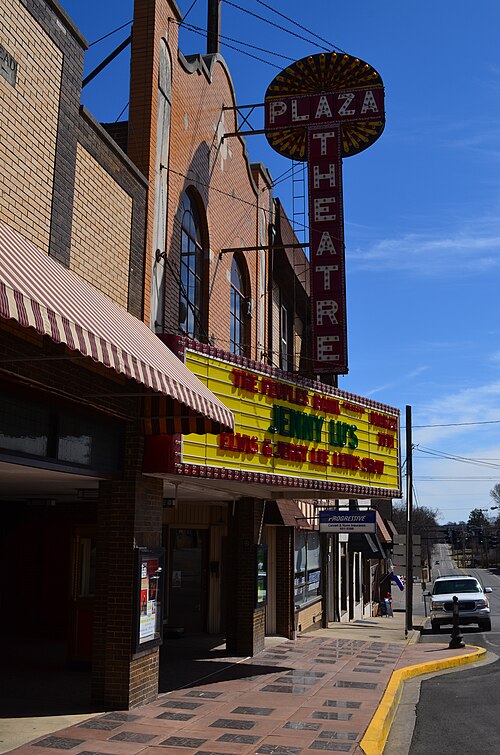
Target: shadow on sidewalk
[
  {"x": 36, "y": 682},
  {"x": 201, "y": 659}
]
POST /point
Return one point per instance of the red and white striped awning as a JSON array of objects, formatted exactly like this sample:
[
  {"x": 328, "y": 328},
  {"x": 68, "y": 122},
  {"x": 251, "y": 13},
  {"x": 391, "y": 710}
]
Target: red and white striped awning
[{"x": 38, "y": 292}]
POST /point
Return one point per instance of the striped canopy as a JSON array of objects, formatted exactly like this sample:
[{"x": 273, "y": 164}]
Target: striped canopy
[{"x": 38, "y": 292}]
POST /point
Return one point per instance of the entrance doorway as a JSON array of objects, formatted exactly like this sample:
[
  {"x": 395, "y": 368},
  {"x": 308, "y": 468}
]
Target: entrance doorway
[{"x": 187, "y": 584}]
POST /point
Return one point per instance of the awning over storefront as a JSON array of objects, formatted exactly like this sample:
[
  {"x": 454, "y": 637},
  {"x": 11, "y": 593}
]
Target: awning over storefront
[
  {"x": 368, "y": 545},
  {"x": 391, "y": 528},
  {"x": 38, "y": 292},
  {"x": 291, "y": 514},
  {"x": 382, "y": 531}
]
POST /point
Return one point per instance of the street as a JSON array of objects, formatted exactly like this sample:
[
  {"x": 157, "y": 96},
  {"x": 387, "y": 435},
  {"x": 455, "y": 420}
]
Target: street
[{"x": 458, "y": 711}]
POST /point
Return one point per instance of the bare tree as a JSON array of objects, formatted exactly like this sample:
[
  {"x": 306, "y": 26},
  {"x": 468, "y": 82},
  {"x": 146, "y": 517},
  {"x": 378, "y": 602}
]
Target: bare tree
[
  {"x": 495, "y": 493},
  {"x": 424, "y": 519}
]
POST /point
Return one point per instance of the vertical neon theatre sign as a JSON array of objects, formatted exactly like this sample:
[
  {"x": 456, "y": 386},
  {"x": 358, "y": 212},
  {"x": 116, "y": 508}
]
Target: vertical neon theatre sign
[{"x": 321, "y": 109}]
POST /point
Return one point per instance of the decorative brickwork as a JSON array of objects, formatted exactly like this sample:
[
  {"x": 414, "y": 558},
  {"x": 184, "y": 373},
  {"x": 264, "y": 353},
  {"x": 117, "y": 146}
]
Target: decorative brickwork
[{"x": 215, "y": 169}]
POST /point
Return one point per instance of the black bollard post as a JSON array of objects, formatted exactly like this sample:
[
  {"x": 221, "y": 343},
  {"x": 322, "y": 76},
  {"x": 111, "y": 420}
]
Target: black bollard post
[{"x": 456, "y": 638}]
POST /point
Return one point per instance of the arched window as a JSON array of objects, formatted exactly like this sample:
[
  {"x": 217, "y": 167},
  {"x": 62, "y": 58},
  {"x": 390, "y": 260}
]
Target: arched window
[
  {"x": 191, "y": 283},
  {"x": 239, "y": 310}
]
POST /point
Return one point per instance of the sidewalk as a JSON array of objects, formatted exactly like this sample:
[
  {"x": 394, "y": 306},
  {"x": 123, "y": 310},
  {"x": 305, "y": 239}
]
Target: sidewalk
[{"x": 334, "y": 689}]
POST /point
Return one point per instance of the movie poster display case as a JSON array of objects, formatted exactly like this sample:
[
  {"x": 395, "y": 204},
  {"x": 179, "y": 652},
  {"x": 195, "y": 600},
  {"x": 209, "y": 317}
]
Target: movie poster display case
[{"x": 148, "y": 598}]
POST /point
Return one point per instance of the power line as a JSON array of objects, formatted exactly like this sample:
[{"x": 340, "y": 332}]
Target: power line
[
  {"x": 453, "y": 457},
  {"x": 202, "y": 33},
  {"x": 201, "y": 30},
  {"x": 196, "y": 180},
  {"x": 431, "y": 478},
  {"x": 277, "y": 26},
  {"x": 188, "y": 11},
  {"x": 109, "y": 34},
  {"x": 295, "y": 23},
  {"x": 462, "y": 424}
]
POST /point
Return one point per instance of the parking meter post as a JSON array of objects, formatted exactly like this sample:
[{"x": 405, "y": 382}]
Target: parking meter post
[{"x": 456, "y": 638}]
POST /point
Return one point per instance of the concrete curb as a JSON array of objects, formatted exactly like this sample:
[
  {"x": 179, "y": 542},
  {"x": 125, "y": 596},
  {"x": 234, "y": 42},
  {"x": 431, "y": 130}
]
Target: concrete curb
[{"x": 375, "y": 737}]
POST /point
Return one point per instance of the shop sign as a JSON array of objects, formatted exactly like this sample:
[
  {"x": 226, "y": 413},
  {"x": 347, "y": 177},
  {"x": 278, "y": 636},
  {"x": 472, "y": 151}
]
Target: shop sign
[
  {"x": 8, "y": 66},
  {"x": 348, "y": 521},
  {"x": 305, "y": 434},
  {"x": 320, "y": 109}
]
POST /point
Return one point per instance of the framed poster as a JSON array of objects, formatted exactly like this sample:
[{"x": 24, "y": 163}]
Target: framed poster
[
  {"x": 148, "y": 593},
  {"x": 261, "y": 574}
]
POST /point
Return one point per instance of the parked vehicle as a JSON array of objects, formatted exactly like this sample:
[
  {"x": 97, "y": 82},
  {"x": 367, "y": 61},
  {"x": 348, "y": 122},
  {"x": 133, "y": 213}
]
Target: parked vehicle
[{"x": 473, "y": 604}]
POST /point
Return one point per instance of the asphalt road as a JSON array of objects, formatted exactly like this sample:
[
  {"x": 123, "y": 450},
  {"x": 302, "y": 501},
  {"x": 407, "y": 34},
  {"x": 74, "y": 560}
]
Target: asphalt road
[{"x": 458, "y": 711}]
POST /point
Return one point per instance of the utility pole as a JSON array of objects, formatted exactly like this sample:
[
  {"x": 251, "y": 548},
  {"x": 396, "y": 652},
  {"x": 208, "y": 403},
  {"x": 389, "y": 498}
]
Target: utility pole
[{"x": 409, "y": 523}]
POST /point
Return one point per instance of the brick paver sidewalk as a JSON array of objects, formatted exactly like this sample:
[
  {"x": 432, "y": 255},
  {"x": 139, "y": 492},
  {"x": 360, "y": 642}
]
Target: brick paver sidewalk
[{"x": 314, "y": 693}]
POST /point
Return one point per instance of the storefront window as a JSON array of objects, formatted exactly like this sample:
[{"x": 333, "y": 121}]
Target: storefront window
[
  {"x": 307, "y": 567},
  {"x": 59, "y": 434}
]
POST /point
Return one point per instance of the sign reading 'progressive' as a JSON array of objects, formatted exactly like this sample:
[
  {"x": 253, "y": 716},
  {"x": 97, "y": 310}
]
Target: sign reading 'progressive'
[{"x": 347, "y": 521}]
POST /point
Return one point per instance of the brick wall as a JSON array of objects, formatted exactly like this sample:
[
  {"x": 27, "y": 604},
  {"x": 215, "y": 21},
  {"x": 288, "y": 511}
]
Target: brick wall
[
  {"x": 49, "y": 142},
  {"x": 29, "y": 115},
  {"x": 129, "y": 515},
  {"x": 284, "y": 580},
  {"x": 124, "y": 234},
  {"x": 102, "y": 220},
  {"x": 217, "y": 171},
  {"x": 310, "y": 617},
  {"x": 245, "y": 626}
]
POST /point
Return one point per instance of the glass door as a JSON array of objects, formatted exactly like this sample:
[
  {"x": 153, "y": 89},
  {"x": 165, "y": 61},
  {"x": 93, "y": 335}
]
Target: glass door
[{"x": 188, "y": 579}]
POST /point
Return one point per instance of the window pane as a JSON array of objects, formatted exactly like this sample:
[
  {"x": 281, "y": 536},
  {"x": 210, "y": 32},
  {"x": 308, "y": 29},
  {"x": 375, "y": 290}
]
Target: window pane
[
  {"x": 24, "y": 427},
  {"x": 191, "y": 271},
  {"x": 307, "y": 567},
  {"x": 300, "y": 551},
  {"x": 313, "y": 550},
  {"x": 237, "y": 310}
]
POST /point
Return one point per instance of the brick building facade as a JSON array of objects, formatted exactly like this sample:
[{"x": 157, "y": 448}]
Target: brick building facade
[
  {"x": 77, "y": 366},
  {"x": 164, "y": 235}
]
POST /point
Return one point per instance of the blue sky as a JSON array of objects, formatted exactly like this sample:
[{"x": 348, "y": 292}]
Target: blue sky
[{"x": 422, "y": 207}]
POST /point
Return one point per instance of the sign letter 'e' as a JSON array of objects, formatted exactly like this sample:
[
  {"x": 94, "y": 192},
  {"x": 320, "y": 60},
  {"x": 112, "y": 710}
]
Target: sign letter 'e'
[
  {"x": 324, "y": 349},
  {"x": 321, "y": 209}
]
